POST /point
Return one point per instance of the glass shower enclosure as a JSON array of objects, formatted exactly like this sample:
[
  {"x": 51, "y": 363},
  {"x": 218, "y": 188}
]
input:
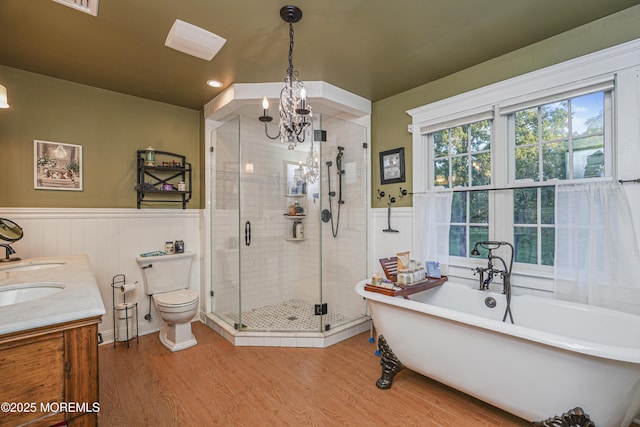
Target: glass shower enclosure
[{"x": 288, "y": 242}]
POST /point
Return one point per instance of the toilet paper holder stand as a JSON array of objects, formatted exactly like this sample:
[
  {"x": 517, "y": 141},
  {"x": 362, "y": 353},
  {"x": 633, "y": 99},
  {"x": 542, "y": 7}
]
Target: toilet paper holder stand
[{"x": 124, "y": 328}]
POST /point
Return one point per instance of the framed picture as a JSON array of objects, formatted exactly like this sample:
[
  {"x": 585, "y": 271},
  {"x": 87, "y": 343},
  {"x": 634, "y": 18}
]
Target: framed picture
[
  {"x": 57, "y": 166},
  {"x": 392, "y": 166}
]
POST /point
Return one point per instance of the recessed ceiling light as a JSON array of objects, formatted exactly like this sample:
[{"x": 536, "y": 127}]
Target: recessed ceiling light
[{"x": 214, "y": 83}]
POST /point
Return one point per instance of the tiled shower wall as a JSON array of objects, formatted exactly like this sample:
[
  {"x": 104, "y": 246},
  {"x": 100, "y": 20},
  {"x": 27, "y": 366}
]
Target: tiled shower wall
[{"x": 274, "y": 269}]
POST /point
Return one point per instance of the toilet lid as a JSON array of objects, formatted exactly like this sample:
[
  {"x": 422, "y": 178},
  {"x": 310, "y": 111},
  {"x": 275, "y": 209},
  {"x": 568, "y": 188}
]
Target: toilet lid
[{"x": 180, "y": 297}]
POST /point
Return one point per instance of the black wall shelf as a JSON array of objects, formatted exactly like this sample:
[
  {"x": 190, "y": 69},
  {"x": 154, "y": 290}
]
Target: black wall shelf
[{"x": 168, "y": 169}]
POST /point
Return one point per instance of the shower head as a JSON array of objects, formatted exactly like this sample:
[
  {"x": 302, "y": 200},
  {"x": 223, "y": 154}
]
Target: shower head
[{"x": 329, "y": 163}]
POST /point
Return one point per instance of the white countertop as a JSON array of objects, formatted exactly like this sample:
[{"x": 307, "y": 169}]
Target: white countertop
[{"x": 80, "y": 298}]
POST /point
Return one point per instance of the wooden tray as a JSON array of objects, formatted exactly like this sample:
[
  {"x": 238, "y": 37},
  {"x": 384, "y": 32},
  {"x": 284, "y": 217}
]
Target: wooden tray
[
  {"x": 423, "y": 285},
  {"x": 390, "y": 268}
]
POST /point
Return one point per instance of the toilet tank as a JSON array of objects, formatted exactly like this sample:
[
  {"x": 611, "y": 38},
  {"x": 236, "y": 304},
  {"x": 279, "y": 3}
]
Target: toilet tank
[{"x": 165, "y": 273}]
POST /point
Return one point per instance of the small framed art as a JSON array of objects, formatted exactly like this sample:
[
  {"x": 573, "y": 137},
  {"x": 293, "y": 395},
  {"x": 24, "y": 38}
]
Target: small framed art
[
  {"x": 57, "y": 166},
  {"x": 392, "y": 166}
]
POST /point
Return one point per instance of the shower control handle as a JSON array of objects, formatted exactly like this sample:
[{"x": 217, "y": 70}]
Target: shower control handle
[{"x": 247, "y": 233}]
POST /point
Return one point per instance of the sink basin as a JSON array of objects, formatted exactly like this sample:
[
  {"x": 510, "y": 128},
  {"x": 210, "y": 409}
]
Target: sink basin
[
  {"x": 15, "y": 294},
  {"x": 31, "y": 266}
]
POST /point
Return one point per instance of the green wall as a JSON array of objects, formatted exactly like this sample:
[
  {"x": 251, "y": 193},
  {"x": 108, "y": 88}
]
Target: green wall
[
  {"x": 389, "y": 117},
  {"x": 109, "y": 126}
]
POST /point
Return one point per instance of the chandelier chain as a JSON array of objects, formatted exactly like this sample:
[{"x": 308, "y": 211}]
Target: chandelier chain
[{"x": 290, "y": 70}]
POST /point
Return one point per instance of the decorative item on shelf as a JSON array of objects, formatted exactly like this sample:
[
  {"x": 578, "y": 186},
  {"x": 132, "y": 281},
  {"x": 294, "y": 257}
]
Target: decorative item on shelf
[
  {"x": 171, "y": 164},
  {"x": 167, "y": 187},
  {"x": 182, "y": 186},
  {"x": 298, "y": 230},
  {"x": 178, "y": 246},
  {"x": 144, "y": 186},
  {"x": 169, "y": 248},
  {"x": 150, "y": 156},
  {"x": 294, "y": 107}
]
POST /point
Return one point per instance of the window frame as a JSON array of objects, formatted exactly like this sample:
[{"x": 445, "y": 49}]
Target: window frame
[{"x": 607, "y": 68}]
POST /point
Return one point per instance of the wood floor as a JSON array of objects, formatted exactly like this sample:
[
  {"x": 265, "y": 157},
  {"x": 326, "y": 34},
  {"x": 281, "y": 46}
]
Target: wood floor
[{"x": 215, "y": 383}]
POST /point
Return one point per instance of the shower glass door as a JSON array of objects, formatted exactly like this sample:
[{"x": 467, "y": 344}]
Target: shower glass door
[
  {"x": 225, "y": 222},
  {"x": 265, "y": 271},
  {"x": 344, "y": 236}
]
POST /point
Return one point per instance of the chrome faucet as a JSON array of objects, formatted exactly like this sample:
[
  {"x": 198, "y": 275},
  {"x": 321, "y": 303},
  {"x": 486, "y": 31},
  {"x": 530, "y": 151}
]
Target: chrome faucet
[
  {"x": 9, "y": 250},
  {"x": 505, "y": 274}
]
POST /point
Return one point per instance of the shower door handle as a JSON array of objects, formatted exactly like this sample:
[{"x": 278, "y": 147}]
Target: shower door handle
[{"x": 247, "y": 233}]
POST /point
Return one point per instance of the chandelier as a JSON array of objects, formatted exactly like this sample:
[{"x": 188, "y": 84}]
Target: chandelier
[
  {"x": 294, "y": 107},
  {"x": 312, "y": 165}
]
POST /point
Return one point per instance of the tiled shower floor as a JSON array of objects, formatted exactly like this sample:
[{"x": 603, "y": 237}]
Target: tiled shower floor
[{"x": 294, "y": 314}]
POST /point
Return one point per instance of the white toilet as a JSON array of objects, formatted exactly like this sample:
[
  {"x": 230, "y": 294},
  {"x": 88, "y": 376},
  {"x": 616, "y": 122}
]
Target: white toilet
[{"x": 166, "y": 279}]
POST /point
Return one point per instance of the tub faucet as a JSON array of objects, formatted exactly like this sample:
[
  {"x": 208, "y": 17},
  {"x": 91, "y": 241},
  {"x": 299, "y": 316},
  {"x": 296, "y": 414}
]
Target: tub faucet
[
  {"x": 9, "y": 250},
  {"x": 505, "y": 274}
]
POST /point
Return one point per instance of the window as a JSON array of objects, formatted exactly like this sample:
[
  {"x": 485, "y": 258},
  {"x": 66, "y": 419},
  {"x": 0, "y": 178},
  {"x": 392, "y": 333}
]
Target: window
[
  {"x": 566, "y": 117},
  {"x": 462, "y": 158},
  {"x": 562, "y": 140},
  {"x": 533, "y": 230},
  {"x": 469, "y": 222},
  {"x": 462, "y": 155}
]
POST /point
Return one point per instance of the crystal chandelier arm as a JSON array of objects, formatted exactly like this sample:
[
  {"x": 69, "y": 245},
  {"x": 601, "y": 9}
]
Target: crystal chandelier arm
[
  {"x": 266, "y": 132},
  {"x": 301, "y": 131}
]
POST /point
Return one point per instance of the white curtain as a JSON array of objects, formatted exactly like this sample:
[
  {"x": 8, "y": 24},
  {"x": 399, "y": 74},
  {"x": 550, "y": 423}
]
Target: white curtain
[
  {"x": 596, "y": 252},
  {"x": 432, "y": 212}
]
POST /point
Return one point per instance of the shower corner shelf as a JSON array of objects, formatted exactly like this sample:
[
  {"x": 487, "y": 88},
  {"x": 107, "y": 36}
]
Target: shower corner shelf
[
  {"x": 294, "y": 239},
  {"x": 296, "y": 194},
  {"x": 174, "y": 170}
]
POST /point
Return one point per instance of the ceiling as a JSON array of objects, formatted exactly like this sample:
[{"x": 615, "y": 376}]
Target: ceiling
[{"x": 373, "y": 48}]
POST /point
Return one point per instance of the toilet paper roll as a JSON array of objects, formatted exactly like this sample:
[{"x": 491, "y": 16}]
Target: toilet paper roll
[{"x": 128, "y": 287}]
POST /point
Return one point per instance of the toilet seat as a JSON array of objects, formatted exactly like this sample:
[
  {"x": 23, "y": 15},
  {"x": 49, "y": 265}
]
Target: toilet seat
[{"x": 176, "y": 299}]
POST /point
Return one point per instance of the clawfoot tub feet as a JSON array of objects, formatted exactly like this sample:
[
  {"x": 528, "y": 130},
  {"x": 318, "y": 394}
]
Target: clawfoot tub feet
[
  {"x": 389, "y": 362},
  {"x": 574, "y": 418}
]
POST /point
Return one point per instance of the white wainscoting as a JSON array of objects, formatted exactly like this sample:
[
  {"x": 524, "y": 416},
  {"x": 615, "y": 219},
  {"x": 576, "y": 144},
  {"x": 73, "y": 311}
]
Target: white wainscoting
[
  {"x": 111, "y": 238},
  {"x": 384, "y": 244}
]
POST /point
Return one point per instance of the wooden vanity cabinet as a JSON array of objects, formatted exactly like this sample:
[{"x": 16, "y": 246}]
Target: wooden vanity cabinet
[{"x": 46, "y": 370}]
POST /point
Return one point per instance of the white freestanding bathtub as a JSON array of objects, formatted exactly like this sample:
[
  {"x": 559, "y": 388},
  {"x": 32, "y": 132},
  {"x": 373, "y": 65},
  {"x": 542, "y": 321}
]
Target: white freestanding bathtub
[{"x": 556, "y": 357}]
